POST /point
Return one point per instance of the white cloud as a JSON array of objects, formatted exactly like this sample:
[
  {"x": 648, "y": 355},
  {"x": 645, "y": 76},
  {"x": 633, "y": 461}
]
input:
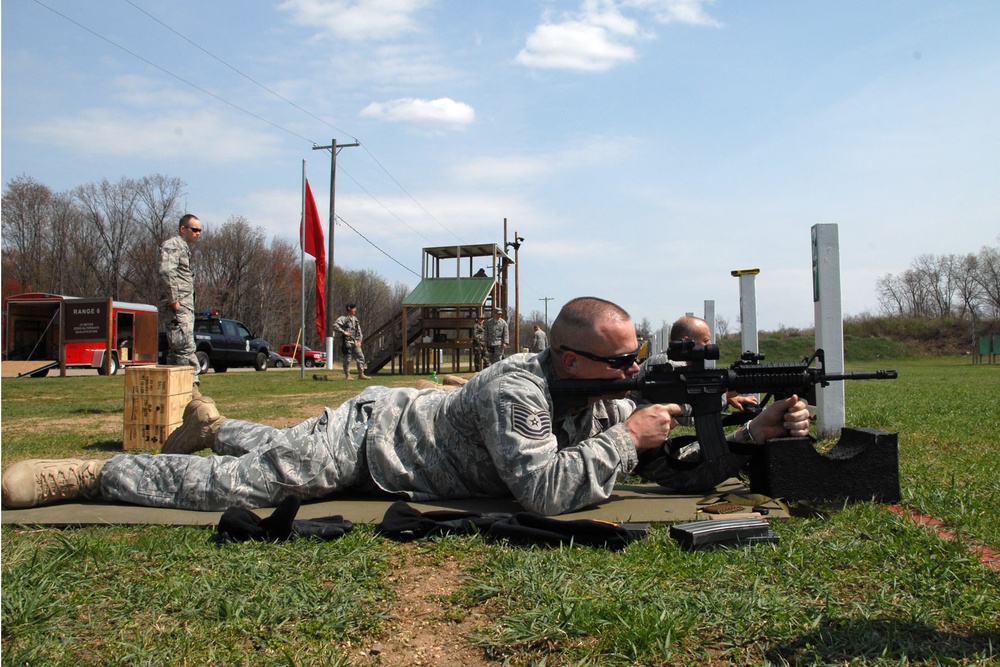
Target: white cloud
[
  {"x": 573, "y": 45},
  {"x": 691, "y": 12},
  {"x": 589, "y": 41},
  {"x": 597, "y": 38},
  {"x": 357, "y": 20},
  {"x": 442, "y": 112}
]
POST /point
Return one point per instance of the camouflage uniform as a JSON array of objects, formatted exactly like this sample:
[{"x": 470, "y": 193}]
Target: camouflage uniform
[
  {"x": 176, "y": 285},
  {"x": 500, "y": 434},
  {"x": 497, "y": 335},
  {"x": 540, "y": 342},
  {"x": 480, "y": 354},
  {"x": 349, "y": 327}
]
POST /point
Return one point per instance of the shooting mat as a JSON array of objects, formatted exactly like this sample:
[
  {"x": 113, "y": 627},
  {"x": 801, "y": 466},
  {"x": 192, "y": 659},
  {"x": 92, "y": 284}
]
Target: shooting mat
[{"x": 637, "y": 503}]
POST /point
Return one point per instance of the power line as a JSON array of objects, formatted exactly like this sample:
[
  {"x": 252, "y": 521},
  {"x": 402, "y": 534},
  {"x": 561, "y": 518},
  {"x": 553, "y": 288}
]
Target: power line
[
  {"x": 311, "y": 115},
  {"x": 176, "y": 76},
  {"x": 374, "y": 245},
  {"x": 262, "y": 119},
  {"x": 409, "y": 195},
  {"x": 245, "y": 76}
]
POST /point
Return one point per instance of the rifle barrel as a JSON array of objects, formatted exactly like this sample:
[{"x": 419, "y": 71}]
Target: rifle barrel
[{"x": 863, "y": 375}]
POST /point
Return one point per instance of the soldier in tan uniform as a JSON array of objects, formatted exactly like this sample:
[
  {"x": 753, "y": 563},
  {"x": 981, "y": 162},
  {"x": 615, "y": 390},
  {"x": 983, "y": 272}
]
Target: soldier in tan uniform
[
  {"x": 176, "y": 287},
  {"x": 502, "y": 433}
]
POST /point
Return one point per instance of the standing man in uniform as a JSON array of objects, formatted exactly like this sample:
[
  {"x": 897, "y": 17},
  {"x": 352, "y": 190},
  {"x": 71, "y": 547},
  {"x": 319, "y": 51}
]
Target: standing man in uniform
[
  {"x": 541, "y": 341},
  {"x": 176, "y": 286},
  {"x": 480, "y": 355},
  {"x": 497, "y": 336},
  {"x": 349, "y": 327}
]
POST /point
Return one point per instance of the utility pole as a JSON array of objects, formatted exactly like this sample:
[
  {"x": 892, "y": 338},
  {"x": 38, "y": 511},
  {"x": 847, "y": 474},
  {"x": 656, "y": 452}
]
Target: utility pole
[
  {"x": 546, "y": 299},
  {"x": 334, "y": 149}
]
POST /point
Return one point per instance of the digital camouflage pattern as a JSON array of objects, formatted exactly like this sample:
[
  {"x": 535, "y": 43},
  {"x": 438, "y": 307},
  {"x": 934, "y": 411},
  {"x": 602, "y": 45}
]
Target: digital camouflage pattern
[
  {"x": 497, "y": 335},
  {"x": 176, "y": 285},
  {"x": 497, "y": 435}
]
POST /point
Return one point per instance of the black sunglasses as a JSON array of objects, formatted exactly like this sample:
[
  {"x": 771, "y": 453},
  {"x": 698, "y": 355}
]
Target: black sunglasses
[
  {"x": 618, "y": 361},
  {"x": 194, "y": 229}
]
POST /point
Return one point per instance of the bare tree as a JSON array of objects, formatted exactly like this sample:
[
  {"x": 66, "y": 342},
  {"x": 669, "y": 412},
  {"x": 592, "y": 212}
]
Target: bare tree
[
  {"x": 988, "y": 279},
  {"x": 231, "y": 263},
  {"x": 26, "y": 213},
  {"x": 722, "y": 327},
  {"x": 158, "y": 214},
  {"x": 278, "y": 294},
  {"x": 110, "y": 217}
]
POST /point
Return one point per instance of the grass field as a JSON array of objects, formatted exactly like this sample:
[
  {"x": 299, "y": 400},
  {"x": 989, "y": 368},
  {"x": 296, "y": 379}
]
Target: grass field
[{"x": 863, "y": 587}]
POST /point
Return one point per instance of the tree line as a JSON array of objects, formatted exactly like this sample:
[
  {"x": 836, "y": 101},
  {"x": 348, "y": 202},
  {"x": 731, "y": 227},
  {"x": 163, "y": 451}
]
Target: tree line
[
  {"x": 102, "y": 240},
  {"x": 944, "y": 286}
]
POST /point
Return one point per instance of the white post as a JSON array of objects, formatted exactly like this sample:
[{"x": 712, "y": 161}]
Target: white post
[
  {"x": 710, "y": 318},
  {"x": 829, "y": 323},
  {"x": 748, "y": 309}
]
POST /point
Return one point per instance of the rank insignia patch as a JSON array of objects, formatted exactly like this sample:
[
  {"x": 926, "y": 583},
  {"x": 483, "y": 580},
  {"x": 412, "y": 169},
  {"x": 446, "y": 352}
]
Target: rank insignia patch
[{"x": 529, "y": 423}]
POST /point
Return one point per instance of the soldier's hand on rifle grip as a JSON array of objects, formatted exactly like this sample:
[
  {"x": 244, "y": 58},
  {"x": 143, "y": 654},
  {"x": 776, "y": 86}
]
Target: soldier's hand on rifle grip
[
  {"x": 788, "y": 417},
  {"x": 650, "y": 424}
]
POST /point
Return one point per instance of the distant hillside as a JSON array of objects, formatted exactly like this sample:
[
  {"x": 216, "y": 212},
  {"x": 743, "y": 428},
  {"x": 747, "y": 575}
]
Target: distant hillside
[{"x": 867, "y": 339}]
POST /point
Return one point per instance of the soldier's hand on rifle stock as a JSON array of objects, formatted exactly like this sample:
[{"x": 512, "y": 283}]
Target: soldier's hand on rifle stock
[
  {"x": 789, "y": 417},
  {"x": 650, "y": 424}
]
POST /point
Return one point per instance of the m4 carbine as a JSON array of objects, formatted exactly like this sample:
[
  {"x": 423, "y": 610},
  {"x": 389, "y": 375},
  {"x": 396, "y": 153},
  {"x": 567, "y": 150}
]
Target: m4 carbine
[{"x": 704, "y": 389}]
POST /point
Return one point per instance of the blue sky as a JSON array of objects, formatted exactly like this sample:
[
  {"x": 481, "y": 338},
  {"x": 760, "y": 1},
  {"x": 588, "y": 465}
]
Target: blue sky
[{"x": 643, "y": 148}]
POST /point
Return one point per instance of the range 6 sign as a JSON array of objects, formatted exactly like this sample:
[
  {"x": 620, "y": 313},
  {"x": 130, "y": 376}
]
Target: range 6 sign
[{"x": 44, "y": 331}]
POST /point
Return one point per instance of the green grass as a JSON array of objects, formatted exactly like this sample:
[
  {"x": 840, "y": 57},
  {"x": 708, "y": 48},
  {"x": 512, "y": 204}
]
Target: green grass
[{"x": 864, "y": 587}]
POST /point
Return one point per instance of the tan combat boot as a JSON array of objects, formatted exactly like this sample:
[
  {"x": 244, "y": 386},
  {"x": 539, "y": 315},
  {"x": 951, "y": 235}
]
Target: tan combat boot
[
  {"x": 44, "y": 481},
  {"x": 347, "y": 375},
  {"x": 197, "y": 431},
  {"x": 362, "y": 376}
]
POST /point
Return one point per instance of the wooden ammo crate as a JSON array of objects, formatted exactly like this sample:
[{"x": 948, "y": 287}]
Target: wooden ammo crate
[
  {"x": 158, "y": 380},
  {"x": 146, "y": 436},
  {"x": 155, "y": 398}
]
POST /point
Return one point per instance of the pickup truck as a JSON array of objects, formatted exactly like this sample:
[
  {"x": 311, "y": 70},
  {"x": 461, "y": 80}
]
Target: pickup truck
[
  {"x": 222, "y": 344},
  {"x": 313, "y": 357}
]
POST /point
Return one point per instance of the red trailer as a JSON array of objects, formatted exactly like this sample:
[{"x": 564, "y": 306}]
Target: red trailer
[{"x": 45, "y": 331}]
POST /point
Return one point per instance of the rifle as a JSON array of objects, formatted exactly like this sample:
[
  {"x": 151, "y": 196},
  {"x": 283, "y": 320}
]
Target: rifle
[{"x": 704, "y": 389}]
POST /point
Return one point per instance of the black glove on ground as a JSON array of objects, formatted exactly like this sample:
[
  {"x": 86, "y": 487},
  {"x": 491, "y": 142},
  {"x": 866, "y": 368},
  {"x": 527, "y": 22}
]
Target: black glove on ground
[
  {"x": 239, "y": 525},
  {"x": 404, "y": 523}
]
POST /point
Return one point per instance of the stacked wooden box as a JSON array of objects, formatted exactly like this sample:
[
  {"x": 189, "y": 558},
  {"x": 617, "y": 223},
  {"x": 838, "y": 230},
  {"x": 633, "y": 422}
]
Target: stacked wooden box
[{"x": 155, "y": 398}]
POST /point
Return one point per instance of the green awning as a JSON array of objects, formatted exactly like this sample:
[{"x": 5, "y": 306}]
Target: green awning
[{"x": 450, "y": 292}]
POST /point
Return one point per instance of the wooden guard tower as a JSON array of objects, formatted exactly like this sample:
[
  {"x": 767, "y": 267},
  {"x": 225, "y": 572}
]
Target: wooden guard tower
[{"x": 457, "y": 285}]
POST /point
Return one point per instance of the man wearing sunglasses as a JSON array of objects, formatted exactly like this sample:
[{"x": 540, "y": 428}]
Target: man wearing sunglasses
[
  {"x": 176, "y": 284},
  {"x": 502, "y": 433}
]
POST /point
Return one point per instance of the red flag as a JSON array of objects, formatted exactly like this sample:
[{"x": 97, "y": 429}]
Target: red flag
[{"x": 313, "y": 245}]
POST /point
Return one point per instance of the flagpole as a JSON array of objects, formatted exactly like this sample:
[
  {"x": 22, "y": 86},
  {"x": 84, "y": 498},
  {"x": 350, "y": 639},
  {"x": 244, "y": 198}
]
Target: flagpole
[{"x": 302, "y": 269}]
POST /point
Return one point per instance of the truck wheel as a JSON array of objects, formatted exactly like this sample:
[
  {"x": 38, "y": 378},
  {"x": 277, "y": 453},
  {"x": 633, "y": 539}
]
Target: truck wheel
[
  {"x": 202, "y": 361},
  {"x": 221, "y": 368},
  {"x": 114, "y": 366},
  {"x": 310, "y": 363},
  {"x": 260, "y": 361}
]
